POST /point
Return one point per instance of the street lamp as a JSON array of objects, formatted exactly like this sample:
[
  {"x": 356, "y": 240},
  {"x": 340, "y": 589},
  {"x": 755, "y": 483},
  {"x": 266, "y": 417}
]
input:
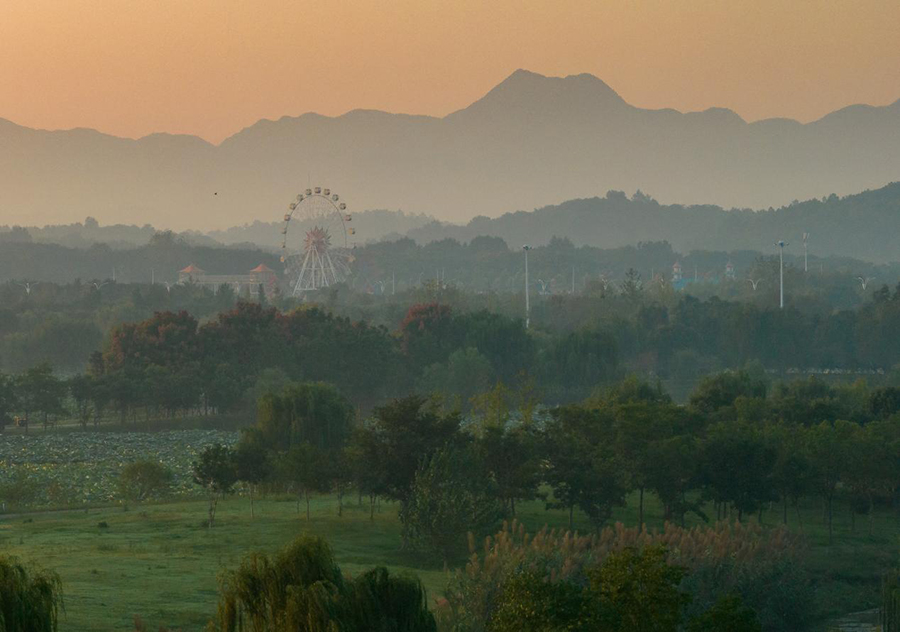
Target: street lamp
[
  {"x": 781, "y": 244},
  {"x": 526, "y": 248}
]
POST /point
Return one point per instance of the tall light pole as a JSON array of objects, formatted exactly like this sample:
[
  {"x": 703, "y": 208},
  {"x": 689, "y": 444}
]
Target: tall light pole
[
  {"x": 526, "y": 248},
  {"x": 781, "y": 244}
]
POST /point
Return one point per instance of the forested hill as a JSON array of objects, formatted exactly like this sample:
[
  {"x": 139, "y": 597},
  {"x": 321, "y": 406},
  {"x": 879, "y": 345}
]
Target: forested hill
[{"x": 863, "y": 226}]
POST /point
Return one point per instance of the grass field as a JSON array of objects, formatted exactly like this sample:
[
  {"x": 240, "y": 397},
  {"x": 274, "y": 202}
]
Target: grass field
[{"x": 158, "y": 562}]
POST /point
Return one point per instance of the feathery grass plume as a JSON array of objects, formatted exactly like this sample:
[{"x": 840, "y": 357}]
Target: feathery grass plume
[{"x": 761, "y": 566}]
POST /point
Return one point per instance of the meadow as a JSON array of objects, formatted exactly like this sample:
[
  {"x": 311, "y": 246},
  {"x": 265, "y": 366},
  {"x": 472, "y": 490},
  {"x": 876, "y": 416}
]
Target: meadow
[{"x": 159, "y": 562}]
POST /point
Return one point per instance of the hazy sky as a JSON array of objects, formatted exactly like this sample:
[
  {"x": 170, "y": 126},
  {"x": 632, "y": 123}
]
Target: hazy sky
[{"x": 211, "y": 67}]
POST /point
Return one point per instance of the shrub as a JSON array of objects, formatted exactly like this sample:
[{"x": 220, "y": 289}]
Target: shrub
[
  {"x": 728, "y": 613},
  {"x": 142, "y": 480}
]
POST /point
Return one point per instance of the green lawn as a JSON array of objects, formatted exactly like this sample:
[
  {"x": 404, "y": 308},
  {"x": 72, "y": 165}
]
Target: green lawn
[{"x": 158, "y": 562}]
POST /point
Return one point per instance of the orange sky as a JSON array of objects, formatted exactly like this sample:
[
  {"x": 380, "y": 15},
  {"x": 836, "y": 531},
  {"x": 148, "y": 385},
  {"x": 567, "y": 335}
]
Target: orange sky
[{"x": 211, "y": 67}]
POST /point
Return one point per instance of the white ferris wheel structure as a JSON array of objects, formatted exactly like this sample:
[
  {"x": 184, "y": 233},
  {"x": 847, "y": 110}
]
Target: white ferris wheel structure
[{"x": 315, "y": 246}]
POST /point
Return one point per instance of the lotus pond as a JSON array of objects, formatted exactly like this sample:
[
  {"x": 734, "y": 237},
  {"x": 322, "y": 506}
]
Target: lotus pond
[{"x": 82, "y": 468}]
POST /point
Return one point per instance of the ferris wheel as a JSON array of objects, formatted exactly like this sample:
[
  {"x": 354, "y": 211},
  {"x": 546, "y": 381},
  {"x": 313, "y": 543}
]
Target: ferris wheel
[{"x": 315, "y": 248}]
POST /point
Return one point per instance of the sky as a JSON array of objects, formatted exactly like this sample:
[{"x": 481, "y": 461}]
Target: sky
[{"x": 212, "y": 67}]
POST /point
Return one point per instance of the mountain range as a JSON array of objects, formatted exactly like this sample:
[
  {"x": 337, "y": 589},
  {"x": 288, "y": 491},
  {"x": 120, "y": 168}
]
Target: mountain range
[{"x": 530, "y": 142}]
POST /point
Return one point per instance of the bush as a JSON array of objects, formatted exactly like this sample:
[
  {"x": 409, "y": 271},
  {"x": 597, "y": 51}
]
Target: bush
[
  {"x": 19, "y": 492},
  {"x": 728, "y": 613},
  {"x": 530, "y": 603},
  {"x": 143, "y": 480}
]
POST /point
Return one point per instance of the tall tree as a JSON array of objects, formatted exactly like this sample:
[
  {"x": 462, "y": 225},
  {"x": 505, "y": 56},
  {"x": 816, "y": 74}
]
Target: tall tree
[
  {"x": 313, "y": 413},
  {"x": 399, "y": 435},
  {"x": 9, "y": 399},
  {"x": 216, "y": 473},
  {"x": 737, "y": 464},
  {"x": 252, "y": 466},
  {"x": 581, "y": 465},
  {"x": 307, "y": 468},
  {"x": 42, "y": 392},
  {"x": 829, "y": 451},
  {"x": 451, "y": 496}
]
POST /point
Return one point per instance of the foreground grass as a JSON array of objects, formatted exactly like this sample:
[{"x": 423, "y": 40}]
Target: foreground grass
[{"x": 159, "y": 562}]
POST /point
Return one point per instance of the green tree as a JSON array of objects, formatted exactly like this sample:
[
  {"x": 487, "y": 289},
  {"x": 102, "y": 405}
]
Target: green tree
[
  {"x": 30, "y": 599},
  {"x": 581, "y": 465},
  {"x": 672, "y": 470},
  {"x": 142, "y": 480},
  {"x": 313, "y": 413},
  {"x": 396, "y": 440},
  {"x": 41, "y": 392},
  {"x": 9, "y": 399},
  {"x": 639, "y": 591},
  {"x": 792, "y": 470},
  {"x": 308, "y": 470},
  {"x": 252, "y": 466},
  {"x": 643, "y": 416},
  {"x": 737, "y": 463},
  {"x": 301, "y": 589},
  {"x": 829, "y": 448},
  {"x": 513, "y": 461},
  {"x": 216, "y": 473},
  {"x": 451, "y": 496},
  {"x": 81, "y": 390},
  {"x": 716, "y": 394},
  {"x": 531, "y": 603}
]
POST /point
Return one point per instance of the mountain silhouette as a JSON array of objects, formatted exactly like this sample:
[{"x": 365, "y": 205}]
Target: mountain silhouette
[{"x": 529, "y": 142}]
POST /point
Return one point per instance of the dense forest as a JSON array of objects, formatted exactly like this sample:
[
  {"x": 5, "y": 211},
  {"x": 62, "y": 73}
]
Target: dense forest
[{"x": 199, "y": 351}]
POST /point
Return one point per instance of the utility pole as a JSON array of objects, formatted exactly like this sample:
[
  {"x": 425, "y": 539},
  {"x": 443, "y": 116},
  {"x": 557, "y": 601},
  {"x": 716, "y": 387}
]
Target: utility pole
[
  {"x": 781, "y": 244},
  {"x": 573, "y": 280},
  {"x": 526, "y": 248},
  {"x": 393, "y": 283}
]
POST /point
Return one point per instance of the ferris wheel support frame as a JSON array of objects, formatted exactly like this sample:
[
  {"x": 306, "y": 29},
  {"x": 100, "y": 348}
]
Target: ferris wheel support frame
[{"x": 318, "y": 269}]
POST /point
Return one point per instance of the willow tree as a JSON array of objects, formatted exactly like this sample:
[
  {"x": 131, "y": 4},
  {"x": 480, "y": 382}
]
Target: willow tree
[
  {"x": 30, "y": 599},
  {"x": 301, "y": 589}
]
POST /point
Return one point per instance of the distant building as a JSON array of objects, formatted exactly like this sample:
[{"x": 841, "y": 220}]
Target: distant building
[
  {"x": 729, "y": 270},
  {"x": 249, "y": 284}
]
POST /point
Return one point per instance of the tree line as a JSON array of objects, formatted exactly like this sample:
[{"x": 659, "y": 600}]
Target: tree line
[
  {"x": 739, "y": 449},
  {"x": 172, "y": 364}
]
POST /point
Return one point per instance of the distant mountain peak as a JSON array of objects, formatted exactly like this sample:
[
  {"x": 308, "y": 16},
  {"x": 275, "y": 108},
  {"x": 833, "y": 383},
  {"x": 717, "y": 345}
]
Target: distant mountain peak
[{"x": 524, "y": 89}]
